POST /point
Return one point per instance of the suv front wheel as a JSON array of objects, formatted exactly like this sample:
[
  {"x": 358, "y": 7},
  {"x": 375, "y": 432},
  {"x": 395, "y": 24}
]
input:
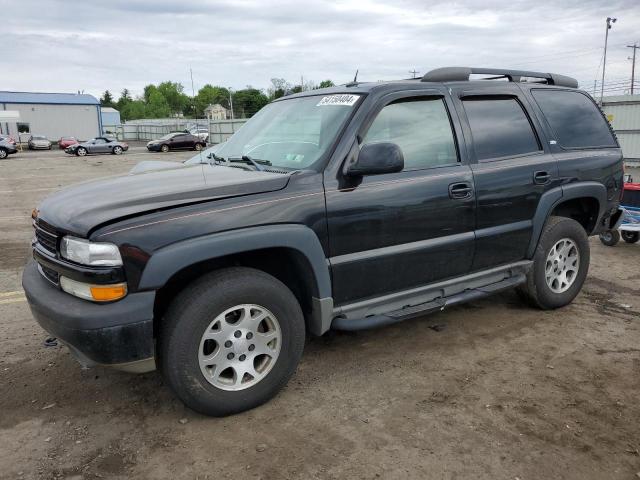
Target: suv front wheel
[
  {"x": 560, "y": 264},
  {"x": 231, "y": 340}
]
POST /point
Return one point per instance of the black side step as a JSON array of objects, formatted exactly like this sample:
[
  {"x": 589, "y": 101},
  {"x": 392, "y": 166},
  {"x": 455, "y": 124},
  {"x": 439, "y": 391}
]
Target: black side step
[{"x": 375, "y": 321}]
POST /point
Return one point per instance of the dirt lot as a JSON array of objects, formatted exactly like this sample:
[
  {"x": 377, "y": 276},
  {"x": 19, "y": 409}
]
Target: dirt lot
[{"x": 490, "y": 390}]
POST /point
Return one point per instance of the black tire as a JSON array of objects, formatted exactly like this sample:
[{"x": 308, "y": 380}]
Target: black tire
[
  {"x": 610, "y": 238},
  {"x": 535, "y": 289},
  {"x": 630, "y": 237},
  {"x": 164, "y": 148},
  {"x": 198, "y": 147},
  {"x": 3, "y": 153},
  {"x": 194, "y": 309},
  {"x": 81, "y": 152},
  {"x": 117, "y": 150}
]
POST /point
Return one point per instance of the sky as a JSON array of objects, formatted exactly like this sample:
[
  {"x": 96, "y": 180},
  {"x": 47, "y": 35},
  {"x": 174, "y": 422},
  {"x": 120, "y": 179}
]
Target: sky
[{"x": 71, "y": 45}]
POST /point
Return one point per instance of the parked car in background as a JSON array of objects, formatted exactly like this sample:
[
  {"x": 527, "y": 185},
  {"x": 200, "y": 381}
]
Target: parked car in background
[
  {"x": 6, "y": 148},
  {"x": 38, "y": 142},
  {"x": 176, "y": 141},
  {"x": 65, "y": 142},
  {"x": 8, "y": 138},
  {"x": 97, "y": 145},
  {"x": 200, "y": 132}
]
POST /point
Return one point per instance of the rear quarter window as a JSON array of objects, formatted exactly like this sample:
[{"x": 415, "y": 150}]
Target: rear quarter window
[{"x": 574, "y": 118}]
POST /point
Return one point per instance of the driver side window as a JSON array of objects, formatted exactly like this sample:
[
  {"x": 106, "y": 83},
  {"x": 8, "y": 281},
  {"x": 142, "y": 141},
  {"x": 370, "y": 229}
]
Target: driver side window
[{"x": 422, "y": 130}]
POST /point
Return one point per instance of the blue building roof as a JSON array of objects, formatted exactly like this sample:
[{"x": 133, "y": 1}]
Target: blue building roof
[{"x": 48, "y": 98}]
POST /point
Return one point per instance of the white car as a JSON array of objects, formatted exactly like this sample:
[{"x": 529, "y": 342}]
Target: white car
[{"x": 201, "y": 132}]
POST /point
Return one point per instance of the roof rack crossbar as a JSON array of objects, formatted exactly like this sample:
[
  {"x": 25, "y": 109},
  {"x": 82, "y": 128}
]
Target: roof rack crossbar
[{"x": 463, "y": 74}]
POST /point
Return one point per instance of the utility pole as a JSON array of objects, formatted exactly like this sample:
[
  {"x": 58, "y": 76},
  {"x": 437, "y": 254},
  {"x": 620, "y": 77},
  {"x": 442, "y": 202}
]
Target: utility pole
[
  {"x": 413, "y": 72},
  {"x": 633, "y": 64},
  {"x": 231, "y": 102},
  {"x": 193, "y": 95},
  {"x": 604, "y": 60}
]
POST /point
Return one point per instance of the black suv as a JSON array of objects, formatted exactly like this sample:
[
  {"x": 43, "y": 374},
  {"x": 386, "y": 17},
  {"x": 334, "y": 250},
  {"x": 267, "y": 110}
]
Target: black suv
[{"x": 349, "y": 208}]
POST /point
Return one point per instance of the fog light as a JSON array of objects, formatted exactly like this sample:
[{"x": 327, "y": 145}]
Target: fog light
[{"x": 95, "y": 293}]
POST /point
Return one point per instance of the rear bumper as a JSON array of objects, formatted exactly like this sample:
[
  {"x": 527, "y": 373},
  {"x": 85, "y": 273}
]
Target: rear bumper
[{"x": 118, "y": 334}]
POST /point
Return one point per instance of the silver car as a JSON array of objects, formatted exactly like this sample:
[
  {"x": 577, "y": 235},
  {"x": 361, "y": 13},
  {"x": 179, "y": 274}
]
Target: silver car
[
  {"x": 97, "y": 145},
  {"x": 38, "y": 142}
]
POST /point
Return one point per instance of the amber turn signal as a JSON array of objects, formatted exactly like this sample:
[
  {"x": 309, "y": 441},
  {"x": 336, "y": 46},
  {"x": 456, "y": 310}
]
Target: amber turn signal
[{"x": 108, "y": 293}]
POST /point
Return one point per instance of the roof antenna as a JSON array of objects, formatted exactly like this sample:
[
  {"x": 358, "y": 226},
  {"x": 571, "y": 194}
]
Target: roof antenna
[{"x": 355, "y": 80}]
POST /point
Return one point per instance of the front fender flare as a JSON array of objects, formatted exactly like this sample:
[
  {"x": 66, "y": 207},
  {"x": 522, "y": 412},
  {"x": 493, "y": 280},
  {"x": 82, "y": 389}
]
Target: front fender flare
[{"x": 169, "y": 260}]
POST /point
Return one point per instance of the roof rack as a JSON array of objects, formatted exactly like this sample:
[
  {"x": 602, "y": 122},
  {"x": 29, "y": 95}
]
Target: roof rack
[{"x": 457, "y": 74}]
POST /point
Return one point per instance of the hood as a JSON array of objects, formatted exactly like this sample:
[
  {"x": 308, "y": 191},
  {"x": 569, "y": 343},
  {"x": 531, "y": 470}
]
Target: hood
[
  {"x": 81, "y": 208},
  {"x": 149, "y": 165}
]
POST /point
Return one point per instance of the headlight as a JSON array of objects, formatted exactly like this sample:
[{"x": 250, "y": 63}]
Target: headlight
[{"x": 90, "y": 253}]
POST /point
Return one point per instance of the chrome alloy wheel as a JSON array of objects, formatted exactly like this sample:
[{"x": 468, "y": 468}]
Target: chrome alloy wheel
[
  {"x": 240, "y": 347},
  {"x": 561, "y": 268}
]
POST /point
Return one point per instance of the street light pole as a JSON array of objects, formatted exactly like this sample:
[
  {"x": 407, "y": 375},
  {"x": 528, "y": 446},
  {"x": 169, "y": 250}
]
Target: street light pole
[{"x": 604, "y": 60}]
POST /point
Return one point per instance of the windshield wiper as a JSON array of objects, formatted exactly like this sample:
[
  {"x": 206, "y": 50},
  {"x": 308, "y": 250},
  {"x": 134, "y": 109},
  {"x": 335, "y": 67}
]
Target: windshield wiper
[
  {"x": 257, "y": 163},
  {"x": 215, "y": 157}
]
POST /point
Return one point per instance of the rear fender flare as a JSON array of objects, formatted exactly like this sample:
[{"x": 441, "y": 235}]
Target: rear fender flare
[{"x": 552, "y": 198}]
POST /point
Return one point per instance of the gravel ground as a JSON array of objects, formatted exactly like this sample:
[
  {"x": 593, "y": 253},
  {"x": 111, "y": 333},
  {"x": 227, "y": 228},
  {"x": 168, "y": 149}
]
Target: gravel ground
[{"x": 489, "y": 390}]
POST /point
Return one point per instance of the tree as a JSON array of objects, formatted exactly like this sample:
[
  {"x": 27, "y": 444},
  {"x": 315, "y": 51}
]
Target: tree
[
  {"x": 326, "y": 83},
  {"x": 125, "y": 97},
  {"x": 247, "y": 102},
  {"x": 210, "y": 95},
  {"x": 173, "y": 93},
  {"x": 107, "y": 99},
  {"x": 278, "y": 88},
  {"x": 157, "y": 106},
  {"x": 133, "y": 109}
]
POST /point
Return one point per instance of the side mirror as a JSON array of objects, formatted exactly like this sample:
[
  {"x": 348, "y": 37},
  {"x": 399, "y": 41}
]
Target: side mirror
[{"x": 376, "y": 158}]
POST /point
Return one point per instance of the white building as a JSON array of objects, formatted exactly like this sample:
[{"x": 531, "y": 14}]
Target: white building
[
  {"x": 623, "y": 112},
  {"x": 216, "y": 112},
  {"x": 53, "y": 115}
]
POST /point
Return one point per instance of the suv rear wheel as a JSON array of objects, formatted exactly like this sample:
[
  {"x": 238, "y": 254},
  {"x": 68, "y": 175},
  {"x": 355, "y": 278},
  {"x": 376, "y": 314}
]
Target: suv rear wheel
[
  {"x": 231, "y": 340},
  {"x": 560, "y": 264}
]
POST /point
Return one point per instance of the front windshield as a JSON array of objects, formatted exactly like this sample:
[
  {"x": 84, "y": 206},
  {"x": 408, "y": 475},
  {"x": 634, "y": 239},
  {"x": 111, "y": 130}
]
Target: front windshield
[{"x": 292, "y": 133}]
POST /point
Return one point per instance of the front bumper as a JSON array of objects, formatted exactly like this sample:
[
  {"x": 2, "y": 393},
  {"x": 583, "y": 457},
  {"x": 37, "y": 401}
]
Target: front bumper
[
  {"x": 118, "y": 334},
  {"x": 154, "y": 148}
]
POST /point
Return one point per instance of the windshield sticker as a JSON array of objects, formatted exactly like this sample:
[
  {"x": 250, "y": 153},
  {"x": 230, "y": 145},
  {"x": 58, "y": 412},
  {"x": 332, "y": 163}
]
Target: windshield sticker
[{"x": 346, "y": 99}]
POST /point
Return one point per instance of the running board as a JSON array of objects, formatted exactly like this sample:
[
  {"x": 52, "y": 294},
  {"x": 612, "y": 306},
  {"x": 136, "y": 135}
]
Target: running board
[{"x": 438, "y": 304}]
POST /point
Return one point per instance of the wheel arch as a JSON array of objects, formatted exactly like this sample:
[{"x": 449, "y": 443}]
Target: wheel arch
[
  {"x": 291, "y": 253},
  {"x": 584, "y": 202}
]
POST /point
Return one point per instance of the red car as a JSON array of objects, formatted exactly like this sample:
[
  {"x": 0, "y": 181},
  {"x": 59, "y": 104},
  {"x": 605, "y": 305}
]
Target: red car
[
  {"x": 8, "y": 138},
  {"x": 65, "y": 142}
]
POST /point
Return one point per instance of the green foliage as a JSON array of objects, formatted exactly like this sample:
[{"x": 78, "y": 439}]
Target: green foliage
[
  {"x": 247, "y": 102},
  {"x": 168, "y": 98},
  {"x": 107, "y": 99},
  {"x": 210, "y": 95},
  {"x": 326, "y": 84}
]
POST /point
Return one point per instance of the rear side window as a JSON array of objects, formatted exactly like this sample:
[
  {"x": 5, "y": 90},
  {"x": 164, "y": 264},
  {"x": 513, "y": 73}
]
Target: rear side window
[
  {"x": 500, "y": 128},
  {"x": 574, "y": 118}
]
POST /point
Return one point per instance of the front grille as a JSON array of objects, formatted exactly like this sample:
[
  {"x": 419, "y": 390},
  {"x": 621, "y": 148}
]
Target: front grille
[
  {"x": 49, "y": 274},
  {"x": 46, "y": 237}
]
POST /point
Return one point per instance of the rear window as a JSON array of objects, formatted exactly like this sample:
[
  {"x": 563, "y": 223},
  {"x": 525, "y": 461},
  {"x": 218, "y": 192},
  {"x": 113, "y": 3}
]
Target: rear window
[
  {"x": 574, "y": 118},
  {"x": 500, "y": 128}
]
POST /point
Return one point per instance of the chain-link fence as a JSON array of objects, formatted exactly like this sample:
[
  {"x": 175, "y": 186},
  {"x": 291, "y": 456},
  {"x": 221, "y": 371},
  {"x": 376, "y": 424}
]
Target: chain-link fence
[{"x": 218, "y": 130}]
